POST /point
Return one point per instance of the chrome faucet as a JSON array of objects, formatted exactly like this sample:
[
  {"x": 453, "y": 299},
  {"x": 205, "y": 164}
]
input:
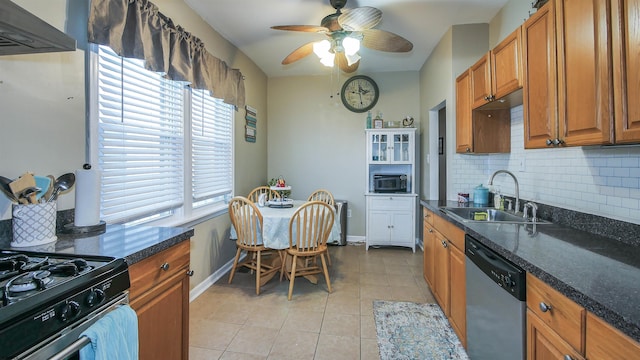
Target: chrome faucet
[
  {"x": 534, "y": 211},
  {"x": 514, "y": 180}
]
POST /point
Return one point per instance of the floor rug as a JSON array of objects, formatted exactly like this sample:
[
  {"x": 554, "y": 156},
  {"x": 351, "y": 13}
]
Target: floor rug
[{"x": 410, "y": 331}]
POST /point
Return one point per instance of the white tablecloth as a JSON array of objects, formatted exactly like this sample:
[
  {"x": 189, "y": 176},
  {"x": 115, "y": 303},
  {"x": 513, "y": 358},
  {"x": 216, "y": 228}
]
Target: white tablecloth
[{"x": 275, "y": 223}]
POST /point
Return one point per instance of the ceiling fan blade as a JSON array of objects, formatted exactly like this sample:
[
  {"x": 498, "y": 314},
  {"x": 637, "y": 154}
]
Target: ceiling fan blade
[
  {"x": 360, "y": 19},
  {"x": 341, "y": 60},
  {"x": 299, "y": 53},
  {"x": 303, "y": 28},
  {"x": 385, "y": 41}
]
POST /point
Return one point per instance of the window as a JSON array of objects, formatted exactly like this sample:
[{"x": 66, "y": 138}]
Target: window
[
  {"x": 211, "y": 149},
  {"x": 148, "y": 134}
]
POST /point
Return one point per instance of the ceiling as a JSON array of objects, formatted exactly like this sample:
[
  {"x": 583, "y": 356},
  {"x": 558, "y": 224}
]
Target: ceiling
[{"x": 246, "y": 24}]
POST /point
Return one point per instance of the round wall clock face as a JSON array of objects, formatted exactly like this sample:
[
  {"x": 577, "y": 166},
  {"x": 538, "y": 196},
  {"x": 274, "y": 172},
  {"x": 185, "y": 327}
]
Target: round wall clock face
[{"x": 359, "y": 93}]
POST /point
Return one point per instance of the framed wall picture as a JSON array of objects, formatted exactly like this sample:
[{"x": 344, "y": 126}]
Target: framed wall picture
[{"x": 377, "y": 123}]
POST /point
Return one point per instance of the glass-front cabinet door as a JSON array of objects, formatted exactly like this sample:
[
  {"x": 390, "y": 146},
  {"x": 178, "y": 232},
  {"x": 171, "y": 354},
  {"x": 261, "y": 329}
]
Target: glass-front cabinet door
[
  {"x": 390, "y": 147},
  {"x": 401, "y": 147},
  {"x": 378, "y": 148}
]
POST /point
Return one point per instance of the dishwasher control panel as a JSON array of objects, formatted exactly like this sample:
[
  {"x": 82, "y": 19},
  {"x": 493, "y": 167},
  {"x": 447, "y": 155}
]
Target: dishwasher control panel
[{"x": 503, "y": 272}]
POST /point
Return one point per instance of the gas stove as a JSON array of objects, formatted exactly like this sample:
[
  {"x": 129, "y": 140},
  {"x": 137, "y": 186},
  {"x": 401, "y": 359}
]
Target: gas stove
[{"x": 44, "y": 295}]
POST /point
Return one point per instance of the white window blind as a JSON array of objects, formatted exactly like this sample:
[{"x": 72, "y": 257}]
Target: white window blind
[
  {"x": 140, "y": 140},
  {"x": 211, "y": 149}
]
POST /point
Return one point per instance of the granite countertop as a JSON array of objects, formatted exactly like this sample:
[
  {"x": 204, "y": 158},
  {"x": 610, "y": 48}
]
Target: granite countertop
[
  {"x": 597, "y": 272},
  {"x": 133, "y": 243}
]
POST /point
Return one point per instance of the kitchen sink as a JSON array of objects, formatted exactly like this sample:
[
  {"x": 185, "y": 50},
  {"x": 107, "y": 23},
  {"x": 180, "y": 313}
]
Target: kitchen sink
[{"x": 489, "y": 215}]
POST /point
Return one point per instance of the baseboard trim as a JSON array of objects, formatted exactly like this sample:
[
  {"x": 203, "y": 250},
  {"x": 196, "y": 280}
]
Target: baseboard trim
[
  {"x": 211, "y": 279},
  {"x": 221, "y": 272}
]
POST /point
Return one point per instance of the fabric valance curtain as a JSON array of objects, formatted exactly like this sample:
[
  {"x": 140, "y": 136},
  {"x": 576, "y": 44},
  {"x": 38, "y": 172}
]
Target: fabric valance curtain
[{"x": 136, "y": 29}]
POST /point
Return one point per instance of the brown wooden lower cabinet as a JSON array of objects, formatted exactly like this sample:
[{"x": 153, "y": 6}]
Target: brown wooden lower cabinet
[
  {"x": 558, "y": 328},
  {"x": 428, "y": 242},
  {"x": 444, "y": 269},
  {"x": 160, "y": 296},
  {"x": 604, "y": 342},
  {"x": 458, "y": 293},
  {"x": 544, "y": 343}
]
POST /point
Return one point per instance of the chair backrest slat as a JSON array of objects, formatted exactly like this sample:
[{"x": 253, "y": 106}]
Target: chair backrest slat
[
  {"x": 255, "y": 193},
  {"x": 322, "y": 195},
  {"x": 310, "y": 226},
  {"x": 247, "y": 220}
]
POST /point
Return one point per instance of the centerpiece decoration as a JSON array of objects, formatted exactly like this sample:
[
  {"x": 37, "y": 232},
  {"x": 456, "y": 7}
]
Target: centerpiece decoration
[{"x": 280, "y": 185}]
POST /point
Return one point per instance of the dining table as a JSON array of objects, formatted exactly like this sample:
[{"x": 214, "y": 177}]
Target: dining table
[
  {"x": 275, "y": 231},
  {"x": 275, "y": 225}
]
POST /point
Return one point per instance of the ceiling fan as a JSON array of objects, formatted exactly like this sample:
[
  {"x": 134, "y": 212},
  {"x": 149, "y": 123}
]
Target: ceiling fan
[{"x": 346, "y": 32}]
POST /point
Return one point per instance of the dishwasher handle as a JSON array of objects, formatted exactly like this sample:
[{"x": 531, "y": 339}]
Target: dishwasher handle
[
  {"x": 501, "y": 271},
  {"x": 489, "y": 258}
]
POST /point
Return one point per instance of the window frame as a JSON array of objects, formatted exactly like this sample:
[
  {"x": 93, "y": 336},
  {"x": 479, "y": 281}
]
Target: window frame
[{"x": 185, "y": 215}]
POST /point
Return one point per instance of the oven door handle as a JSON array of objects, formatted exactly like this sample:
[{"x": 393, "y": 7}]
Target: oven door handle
[
  {"x": 71, "y": 349},
  {"x": 51, "y": 352}
]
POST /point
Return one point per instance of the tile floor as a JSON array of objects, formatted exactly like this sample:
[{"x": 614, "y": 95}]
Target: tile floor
[{"x": 232, "y": 322}]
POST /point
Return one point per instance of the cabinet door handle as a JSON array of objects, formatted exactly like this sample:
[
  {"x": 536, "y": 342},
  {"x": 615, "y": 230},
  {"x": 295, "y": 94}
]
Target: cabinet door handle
[
  {"x": 444, "y": 244},
  {"x": 164, "y": 266},
  {"x": 549, "y": 142},
  {"x": 568, "y": 357},
  {"x": 190, "y": 272},
  {"x": 468, "y": 149},
  {"x": 430, "y": 230},
  {"x": 544, "y": 307}
]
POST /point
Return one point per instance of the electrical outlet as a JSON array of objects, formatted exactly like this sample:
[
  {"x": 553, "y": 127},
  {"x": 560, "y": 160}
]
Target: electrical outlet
[{"x": 348, "y": 213}]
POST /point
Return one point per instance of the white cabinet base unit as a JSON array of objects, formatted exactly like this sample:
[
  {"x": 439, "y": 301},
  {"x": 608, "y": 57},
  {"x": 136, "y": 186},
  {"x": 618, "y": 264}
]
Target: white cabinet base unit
[
  {"x": 391, "y": 216},
  {"x": 391, "y": 220}
]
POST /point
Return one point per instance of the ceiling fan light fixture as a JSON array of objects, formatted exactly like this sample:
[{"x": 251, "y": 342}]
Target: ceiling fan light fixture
[
  {"x": 328, "y": 60},
  {"x": 351, "y": 46},
  {"x": 322, "y": 50},
  {"x": 352, "y": 59}
]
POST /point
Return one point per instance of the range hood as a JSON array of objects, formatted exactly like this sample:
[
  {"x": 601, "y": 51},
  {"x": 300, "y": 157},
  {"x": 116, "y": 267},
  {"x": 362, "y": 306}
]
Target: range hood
[{"x": 24, "y": 33}]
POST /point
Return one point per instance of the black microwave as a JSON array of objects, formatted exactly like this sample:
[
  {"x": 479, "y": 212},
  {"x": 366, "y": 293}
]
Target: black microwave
[{"x": 390, "y": 183}]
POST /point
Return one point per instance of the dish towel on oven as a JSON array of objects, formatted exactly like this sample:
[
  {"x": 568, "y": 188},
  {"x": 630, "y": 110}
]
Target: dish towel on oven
[{"x": 115, "y": 336}]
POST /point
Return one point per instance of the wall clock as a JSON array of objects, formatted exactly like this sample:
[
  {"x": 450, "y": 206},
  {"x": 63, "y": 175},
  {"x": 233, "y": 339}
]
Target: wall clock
[{"x": 359, "y": 93}]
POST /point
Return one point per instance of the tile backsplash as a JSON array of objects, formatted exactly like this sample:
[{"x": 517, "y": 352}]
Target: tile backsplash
[{"x": 597, "y": 180}]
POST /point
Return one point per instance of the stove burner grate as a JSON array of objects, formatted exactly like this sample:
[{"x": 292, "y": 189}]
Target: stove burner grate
[
  {"x": 33, "y": 274},
  {"x": 29, "y": 281}
]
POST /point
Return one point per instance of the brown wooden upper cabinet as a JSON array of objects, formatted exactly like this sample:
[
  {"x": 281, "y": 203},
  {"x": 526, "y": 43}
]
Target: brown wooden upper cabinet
[
  {"x": 540, "y": 95},
  {"x": 579, "y": 85},
  {"x": 480, "y": 131},
  {"x": 464, "y": 132},
  {"x": 499, "y": 72},
  {"x": 626, "y": 72}
]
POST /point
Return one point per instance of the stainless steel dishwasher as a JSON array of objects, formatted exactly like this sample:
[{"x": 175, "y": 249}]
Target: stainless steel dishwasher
[{"x": 496, "y": 305}]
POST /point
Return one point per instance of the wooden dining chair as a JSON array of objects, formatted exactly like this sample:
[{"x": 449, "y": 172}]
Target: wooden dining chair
[
  {"x": 322, "y": 195},
  {"x": 309, "y": 229},
  {"x": 327, "y": 197},
  {"x": 247, "y": 220},
  {"x": 255, "y": 193}
]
